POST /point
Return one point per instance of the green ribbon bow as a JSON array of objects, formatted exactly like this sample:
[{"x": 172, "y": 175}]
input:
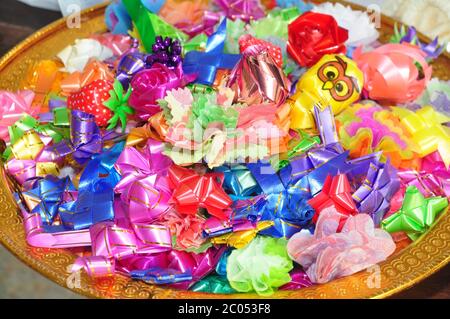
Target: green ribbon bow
[
  {"x": 416, "y": 215},
  {"x": 118, "y": 104},
  {"x": 57, "y": 130},
  {"x": 149, "y": 25}
]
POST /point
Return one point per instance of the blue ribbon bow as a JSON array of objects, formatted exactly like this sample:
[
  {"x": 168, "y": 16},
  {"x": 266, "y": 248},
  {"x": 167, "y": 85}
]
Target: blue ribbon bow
[{"x": 205, "y": 64}]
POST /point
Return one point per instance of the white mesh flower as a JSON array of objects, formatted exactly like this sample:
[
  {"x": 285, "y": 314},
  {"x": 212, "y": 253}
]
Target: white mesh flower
[
  {"x": 361, "y": 30},
  {"x": 431, "y": 17}
]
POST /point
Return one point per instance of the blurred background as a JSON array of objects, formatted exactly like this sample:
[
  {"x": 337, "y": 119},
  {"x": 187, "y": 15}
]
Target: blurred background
[{"x": 20, "y": 18}]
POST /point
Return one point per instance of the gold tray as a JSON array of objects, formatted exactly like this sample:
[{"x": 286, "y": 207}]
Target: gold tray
[{"x": 401, "y": 271}]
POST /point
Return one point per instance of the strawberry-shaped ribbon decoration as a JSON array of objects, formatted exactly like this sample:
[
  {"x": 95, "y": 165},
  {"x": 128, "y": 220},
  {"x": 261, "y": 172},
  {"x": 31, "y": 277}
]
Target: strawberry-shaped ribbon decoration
[
  {"x": 118, "y": 104},
  {"x": 193, "y": 191},
  {"x": 336, "y": 192},
  {"x": 105, "y": 100}
]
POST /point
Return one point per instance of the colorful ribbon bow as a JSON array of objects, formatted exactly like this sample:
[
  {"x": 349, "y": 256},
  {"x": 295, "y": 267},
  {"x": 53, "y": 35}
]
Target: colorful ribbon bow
[
  {"x": 285, "y": 206},
  {"x": 238, "y": 180},
  {"x": 193, "y": 191},
  {"x": 38, "y": 235},
  {"x": 144, "y": 186},
  {"x": 94, "y": 70},
  {"x": 373, "y": 197},
  {"x": 14, "y": 106},
  {"x": 129, "y": 65},
  {"x": 186, "y": 269},
  {"x": 205, "y": 64},
  {"x": 417, "y": 214},
  {"x": 427, "y": 130},
  {"x": 48, "y": 197},
  {"x": 95, "y": 191},
  {"x": 336, "y": 192},
  {"x": 144, "y": 198},
  {"x": 56, "y": 129},
  {"x": 85, "y": 139}
]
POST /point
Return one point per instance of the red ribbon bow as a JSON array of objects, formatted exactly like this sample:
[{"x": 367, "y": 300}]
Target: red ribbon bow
[
  {"x": 336, "y": 193},
  {"x": 312, "y": 35},
  {"x": 193, "y": 191}
]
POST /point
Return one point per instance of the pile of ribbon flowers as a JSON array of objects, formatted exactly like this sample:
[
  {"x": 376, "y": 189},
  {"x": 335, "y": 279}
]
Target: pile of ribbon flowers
[{"x": 231, "y": 145}]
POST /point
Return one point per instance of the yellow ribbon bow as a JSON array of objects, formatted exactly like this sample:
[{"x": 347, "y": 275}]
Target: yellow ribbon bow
[
  {"x": 427, "y": 131},
  {"x": 28, "y": 146}
]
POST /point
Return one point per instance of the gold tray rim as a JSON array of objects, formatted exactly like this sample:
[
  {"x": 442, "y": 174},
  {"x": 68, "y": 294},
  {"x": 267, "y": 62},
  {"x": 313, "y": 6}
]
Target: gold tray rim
[{"x": 436, "y": 263}]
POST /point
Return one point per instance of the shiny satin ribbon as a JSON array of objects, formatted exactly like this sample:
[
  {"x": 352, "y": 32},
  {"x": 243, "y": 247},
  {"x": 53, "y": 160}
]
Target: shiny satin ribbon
[
  {"x": 297, "y": 147},
  {"x": 149, "y": 25},
  {"x": 238, "y": 180},
  {"x": 257, "y": 79},
  {"x": 245, "y": 10},
  {"x": 206, "y": 26},
  {"x": 24, "y": 170},
  {"x": 48, "y": 197},
  {"x": 26, "y": 157},
  {"x": 37, "y": 234},
  {"x": 14, "y": 106},
  {"x": 155, "y": 129},
  {"x": 214, "y": 284},
  {"x": 433, "y": 179},
  {"x": 94, "y": 70},
  {"x": 307, "y": 47},
  {"x": 119, "y": 44},
  {"x": 286, "y": 207},
  {"x": 336, "y": 192},
  {"x": 144, "y": 185},
  {"x": 85, "y": 139},
  {"x": 129, "y": 65},
  {"x": 427, "y": 130},
  {"x": 55, "y": 128},
  {"x": 246, "y": 212},
  {"x": 43, "y": 78},
  {"x": 240, "y": 239},
  {"x": 95, "y": 191},
  {"x": 374, "y": 195},
  {"x": 151, "y": 85},
  {"x": 391, "y": 72},
  {"x": 159, "y": 276},
  {"x": 417, "y": 214},
  {"x": 205, "y": 64},
  {"x": 136, "y": 230},
  {"x": 117, "y": 19},
  {"x": 192, "y": 191},
  {"x": 299, "y": 280}
]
